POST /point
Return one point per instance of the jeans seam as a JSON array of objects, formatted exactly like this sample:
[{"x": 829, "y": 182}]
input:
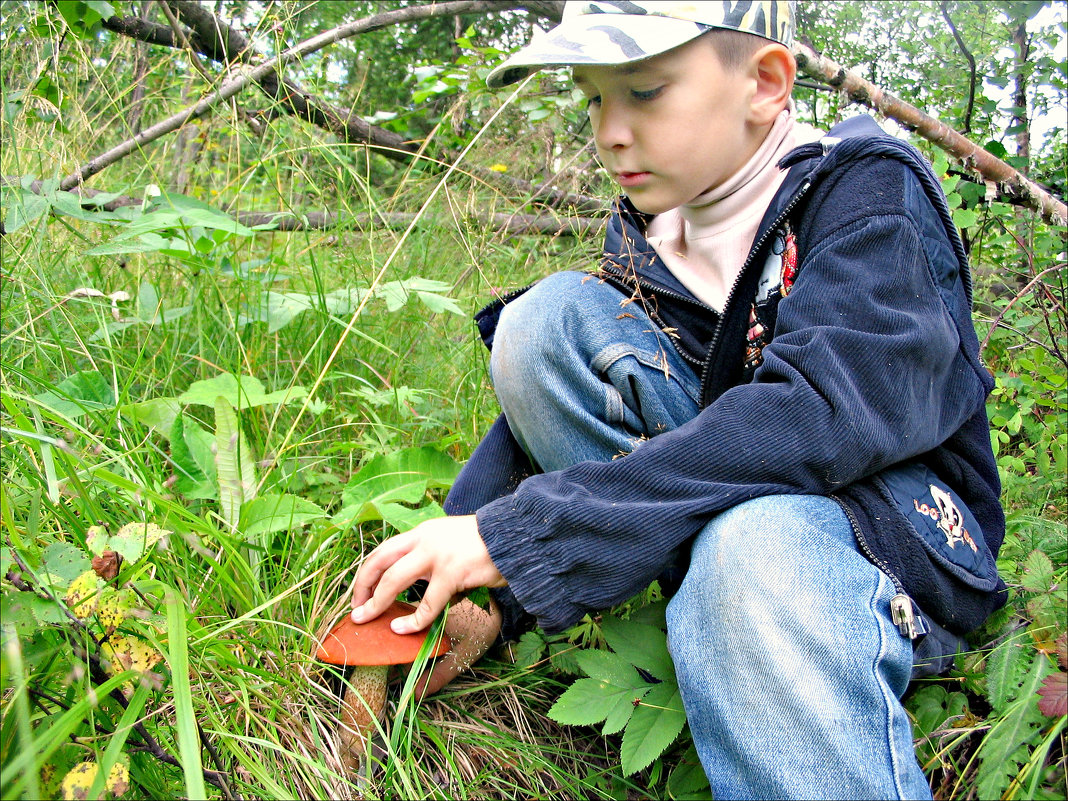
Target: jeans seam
[{"x": 890, "y": 700}]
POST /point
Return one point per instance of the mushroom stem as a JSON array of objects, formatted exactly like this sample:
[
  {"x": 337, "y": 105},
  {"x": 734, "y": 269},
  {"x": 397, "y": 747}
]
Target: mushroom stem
[{"x": 362, "y": 706}]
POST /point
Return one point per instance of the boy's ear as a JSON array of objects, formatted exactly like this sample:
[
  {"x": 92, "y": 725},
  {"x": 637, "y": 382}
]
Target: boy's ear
[{"x": 775, "y": 69}]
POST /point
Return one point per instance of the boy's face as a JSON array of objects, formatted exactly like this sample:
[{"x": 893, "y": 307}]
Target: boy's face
[{"x": 671, "y": 127}]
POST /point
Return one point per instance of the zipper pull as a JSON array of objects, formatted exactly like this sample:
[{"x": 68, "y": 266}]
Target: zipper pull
[{"x": 903, "y": 616}]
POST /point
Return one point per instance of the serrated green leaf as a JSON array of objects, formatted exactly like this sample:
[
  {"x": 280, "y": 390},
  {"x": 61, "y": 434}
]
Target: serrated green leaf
[
  {"x": 528, "y": 651},
  {"x": 268, "y": 514},
  {"x": 619, "y": 715},
  {"x": 1037, "y": 572},
  {"x": 655, "y": 725},
  {"x": 609, "y": 667},
  {"x": 640, "y": 644},
  {"x": 1004, "y": 669},
  {"x": 590, "y": 701},
  {"x": 1017, "y": 730}
]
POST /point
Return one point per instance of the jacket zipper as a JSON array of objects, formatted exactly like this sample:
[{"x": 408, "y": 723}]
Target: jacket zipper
[
  {"x": 620, "y": 278},
  {"x": 902, "y": 612},
  {"x": 757, "y": 246}
]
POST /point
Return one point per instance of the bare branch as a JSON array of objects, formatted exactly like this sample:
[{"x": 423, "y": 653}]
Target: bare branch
[
  {"x": 971, "y": 65},
  {"x": 217, "y": 40},
  {"x": 231, "y": 87},
  {"x": 514, "y": 224},
  {"x": 973, "y": 157}
]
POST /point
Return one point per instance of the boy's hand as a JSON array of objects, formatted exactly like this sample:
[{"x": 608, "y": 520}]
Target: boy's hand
[{"x": 447, "y": 552}]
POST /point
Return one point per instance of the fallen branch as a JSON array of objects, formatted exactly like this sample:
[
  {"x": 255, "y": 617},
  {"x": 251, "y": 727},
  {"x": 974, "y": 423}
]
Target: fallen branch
[
  {"x": 513, "y": 224},
  {"x": 248, "y": 75},
  {"x": 213, "y": 37},
  {"x": 989, "y": 166}
]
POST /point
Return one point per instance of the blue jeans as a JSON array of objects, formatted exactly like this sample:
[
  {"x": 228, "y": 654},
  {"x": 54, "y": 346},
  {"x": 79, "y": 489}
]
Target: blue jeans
[{"x": 789, "y": 665}]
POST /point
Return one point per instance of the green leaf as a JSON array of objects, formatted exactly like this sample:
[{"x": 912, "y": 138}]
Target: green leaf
[
  {"x": 157, "y": 413},
  {"x": 400, "y": 477},
  {"x": 233, "y": 464},
  {"x": 1003, "y": 669},
  {"x": 79, "y": 394},
  {"x": 1037, "y": 572},
  {"x": 64, "y": 562},
  {"x": 193, "y": 459},
  {"x": 964, "y": 218},
  {"x": 688, "y": 781},
  {"x": 404, "y": 518},
  {"x": 277, "y": 309},
  {"x": 640, "y": 644},
  {"x": 1014, "y": 733},
  {"x": 268, "y": 514},
  {"x": 609, "y": 667},
  {"x": 529, "y": 650},
  {"x": 245, "y": 392},
  {"x": 655, "y": 725},
  {"x": 589, "y": 701},
  {"x": 23, "y": 207}
]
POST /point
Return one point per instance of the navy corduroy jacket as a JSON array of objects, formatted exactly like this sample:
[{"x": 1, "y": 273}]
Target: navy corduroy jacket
[{"x": 866, "y": 387}]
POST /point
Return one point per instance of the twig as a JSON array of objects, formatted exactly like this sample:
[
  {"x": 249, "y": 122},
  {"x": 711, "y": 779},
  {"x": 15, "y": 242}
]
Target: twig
[
  {"x": 1019, "y": 296},
  {"x": 218, "y": 41},
  {"x": 971, "y": 65},
  {"x": 194, "y": 57}
]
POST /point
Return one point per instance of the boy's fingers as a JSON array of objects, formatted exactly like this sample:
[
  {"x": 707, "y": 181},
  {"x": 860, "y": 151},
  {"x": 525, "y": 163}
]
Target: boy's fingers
[
  {"x": 369, "y": 596},
  {"x": 433, "y": 603},
  {"x": 397, "y": 577}
]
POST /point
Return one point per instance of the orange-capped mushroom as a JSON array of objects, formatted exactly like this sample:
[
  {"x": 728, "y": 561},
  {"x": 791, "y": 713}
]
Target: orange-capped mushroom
[{"x": 370, "y": 649}]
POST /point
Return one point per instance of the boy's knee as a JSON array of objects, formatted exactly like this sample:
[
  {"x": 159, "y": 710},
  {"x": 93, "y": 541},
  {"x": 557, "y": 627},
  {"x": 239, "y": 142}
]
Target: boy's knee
[
  {"x": 544, "y": 322},
  {"x": 756, "y": 560}
]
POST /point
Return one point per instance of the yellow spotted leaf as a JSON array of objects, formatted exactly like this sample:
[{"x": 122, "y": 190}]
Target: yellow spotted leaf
[
  {"x": 115, "y": 606},
  {"x": 78, "y": 781},
  {"x": 131, "y": 541},
  {"x": 126, "y": 652},
  {"x": 118, "y": 780},
  {"x": 83, "y": 595}
]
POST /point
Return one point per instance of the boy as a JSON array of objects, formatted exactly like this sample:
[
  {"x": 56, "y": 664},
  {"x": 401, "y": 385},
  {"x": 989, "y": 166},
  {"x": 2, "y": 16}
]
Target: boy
[{"x": 770, "y": 390}]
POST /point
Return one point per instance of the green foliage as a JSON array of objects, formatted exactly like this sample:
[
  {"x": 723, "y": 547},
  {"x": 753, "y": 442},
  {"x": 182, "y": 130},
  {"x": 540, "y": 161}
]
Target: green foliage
[{"x": 631, "y": 687}]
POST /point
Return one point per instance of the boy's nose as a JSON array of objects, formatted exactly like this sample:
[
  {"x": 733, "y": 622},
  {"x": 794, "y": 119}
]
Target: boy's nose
[{"x": 612, "y": 129}]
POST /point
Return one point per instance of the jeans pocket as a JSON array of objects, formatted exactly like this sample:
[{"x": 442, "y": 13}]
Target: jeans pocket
[{"x": 942, "y": 523}]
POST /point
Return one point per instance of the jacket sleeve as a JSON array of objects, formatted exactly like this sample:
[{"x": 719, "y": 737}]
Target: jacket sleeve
[{"x": 865, "y": 369}]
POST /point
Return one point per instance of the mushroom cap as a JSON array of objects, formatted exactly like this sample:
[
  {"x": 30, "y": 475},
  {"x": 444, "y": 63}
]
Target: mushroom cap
[{"x": 374, "y": 643}]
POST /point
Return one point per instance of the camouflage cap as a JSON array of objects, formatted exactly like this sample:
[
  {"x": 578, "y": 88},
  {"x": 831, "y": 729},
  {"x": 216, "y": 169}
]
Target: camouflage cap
[{"x": 610, "y": 32}]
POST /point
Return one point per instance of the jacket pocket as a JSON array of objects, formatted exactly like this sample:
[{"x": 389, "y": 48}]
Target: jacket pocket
[{"x": 941, "y": 522}]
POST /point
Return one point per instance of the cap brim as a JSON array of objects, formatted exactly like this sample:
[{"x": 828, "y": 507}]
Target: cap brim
[{"x": 597, "y": 39}]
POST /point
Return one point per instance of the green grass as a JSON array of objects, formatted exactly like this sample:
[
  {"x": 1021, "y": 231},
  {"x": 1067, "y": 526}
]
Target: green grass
[{"x": 234, "y": 618}]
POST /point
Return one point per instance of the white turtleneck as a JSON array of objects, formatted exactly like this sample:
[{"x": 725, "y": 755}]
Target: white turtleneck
[{"x": 705, "y": 242}]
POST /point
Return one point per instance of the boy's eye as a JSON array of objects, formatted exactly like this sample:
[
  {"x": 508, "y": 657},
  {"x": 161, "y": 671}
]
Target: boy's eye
[
  {"x": 593, "y": 101},
  {"x": 647, "y": 94}
]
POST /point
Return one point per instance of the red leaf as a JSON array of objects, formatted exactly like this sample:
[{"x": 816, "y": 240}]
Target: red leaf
[{"x": 1054, "y": 692}]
